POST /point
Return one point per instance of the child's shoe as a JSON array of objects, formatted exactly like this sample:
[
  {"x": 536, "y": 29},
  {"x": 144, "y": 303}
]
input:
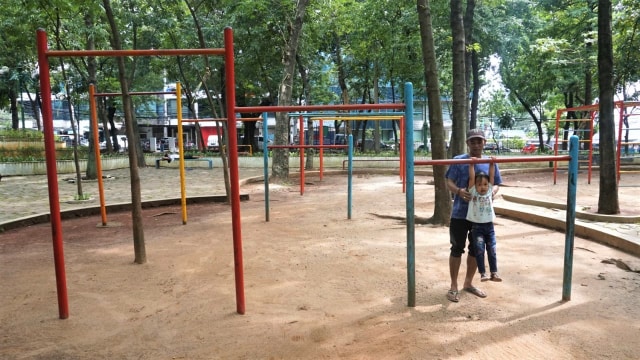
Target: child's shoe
[
  {"x": 484, "y": 277},
  {"x": 495, "y": 277}
]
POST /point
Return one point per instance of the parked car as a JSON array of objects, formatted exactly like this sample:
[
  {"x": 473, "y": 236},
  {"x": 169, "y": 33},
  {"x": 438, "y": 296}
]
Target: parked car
[
  {"x": 493, "y": 147},
  {"x": 531, "y": 148},
  {"x": 260, "y": 142},
  {"x": 369, "y": 145}
]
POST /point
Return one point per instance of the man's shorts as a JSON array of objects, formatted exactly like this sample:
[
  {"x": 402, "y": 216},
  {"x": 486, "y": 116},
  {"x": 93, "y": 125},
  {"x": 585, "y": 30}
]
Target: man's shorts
[{"x": 459, "y": 233}]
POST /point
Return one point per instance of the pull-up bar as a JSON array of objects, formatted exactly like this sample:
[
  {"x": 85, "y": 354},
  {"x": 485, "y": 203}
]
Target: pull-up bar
[
  {"x": 570, "y": 218},
  {"x": 140, "y": 93},
  {"x": 126, "y": 53},
  {"x": 47, "y": 115},
  {"x": 292, "y": 108},
  {"x": 360, "y": 117}
]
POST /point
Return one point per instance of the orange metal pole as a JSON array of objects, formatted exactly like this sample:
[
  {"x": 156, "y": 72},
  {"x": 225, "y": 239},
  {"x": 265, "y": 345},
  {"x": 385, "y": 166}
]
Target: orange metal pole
[
  {"x": 96, "y": 149},
  {"x": 183, "y": 187}
]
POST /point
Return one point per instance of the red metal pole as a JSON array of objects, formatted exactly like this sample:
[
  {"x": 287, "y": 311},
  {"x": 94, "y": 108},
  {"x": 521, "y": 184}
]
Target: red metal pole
[
  {"x": 230, "y": 86},
  {"x": 308, "y": 146},
  {"x": 497, "y": 160},
  {"x": 293, "y": 108},
  {"x": 555, "y": 164},
  {"x": 321, "y": 136},
  {"x": 592, "y": 116},
  {"x": 618, "y": 144},
  {"x": 403, "y": 156},
  {"x": 301, "y": 141},
  {"x": 52, "y": 174}
]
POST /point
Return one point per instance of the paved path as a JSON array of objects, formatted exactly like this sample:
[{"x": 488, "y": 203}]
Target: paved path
[{"x": 24, "y": 196}]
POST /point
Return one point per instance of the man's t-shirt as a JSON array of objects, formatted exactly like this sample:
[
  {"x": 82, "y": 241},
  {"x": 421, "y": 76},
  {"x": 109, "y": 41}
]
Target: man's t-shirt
[{"x": 459, "y": 173}]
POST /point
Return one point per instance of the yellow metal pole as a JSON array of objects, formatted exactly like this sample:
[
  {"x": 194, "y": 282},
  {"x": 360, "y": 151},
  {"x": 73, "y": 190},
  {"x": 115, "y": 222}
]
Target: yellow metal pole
[{"x": 183, "y": 191}]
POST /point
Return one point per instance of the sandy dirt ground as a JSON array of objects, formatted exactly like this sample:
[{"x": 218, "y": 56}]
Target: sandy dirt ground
[{"x": 317, "y": 285}]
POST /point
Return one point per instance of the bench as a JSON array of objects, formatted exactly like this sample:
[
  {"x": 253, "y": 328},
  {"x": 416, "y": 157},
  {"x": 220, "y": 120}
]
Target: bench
[{"x": 159, "y": 160}]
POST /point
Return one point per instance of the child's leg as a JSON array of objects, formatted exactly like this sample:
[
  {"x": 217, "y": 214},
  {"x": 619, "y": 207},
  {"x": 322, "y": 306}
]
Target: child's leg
[
  {"x": 491, "y": 249},
  {"x": 478, "y": 238}
]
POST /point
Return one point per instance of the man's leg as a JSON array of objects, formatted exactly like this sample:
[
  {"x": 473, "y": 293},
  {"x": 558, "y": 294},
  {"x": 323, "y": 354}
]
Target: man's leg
[
  {"x": 454, "y": 268},
  {"x": 472, "y": 265}
]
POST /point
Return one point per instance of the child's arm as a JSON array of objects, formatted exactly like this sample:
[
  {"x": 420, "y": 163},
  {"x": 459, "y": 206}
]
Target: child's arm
[
  {"x": 492, "y": 170},
  {"x": 472, "y": 175}
]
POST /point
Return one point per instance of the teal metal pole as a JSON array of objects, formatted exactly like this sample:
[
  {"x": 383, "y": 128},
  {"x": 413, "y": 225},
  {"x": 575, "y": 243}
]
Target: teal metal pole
[
  {"x": 409, "y": 175},
  {"x": 571, "y": 218},
  {"x": 350, "y": 177},
  {"x": 265, "y": 156}
]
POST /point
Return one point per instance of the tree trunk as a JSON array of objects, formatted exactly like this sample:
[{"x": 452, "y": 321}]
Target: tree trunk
[
  {"x": 280, "y": 168},
  {"x": 13, "y": 100},
  {"x": 342, "y": 80},
  {"x": 459, "y": 92},
  {"x": 442, "y": 210},
  {"x": 136, "y": 198},
  {"x": 608, "y": 197},
  {"x": 72, "y": 121},
  {"x": 471, "y": 63},
  {"x": 375, "y": 100},
  {"x": 306, "y": 100},
  {"x": 92, "y": 70}
]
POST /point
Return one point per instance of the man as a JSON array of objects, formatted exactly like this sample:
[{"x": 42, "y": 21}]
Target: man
[{"x": 460, "y": 228}]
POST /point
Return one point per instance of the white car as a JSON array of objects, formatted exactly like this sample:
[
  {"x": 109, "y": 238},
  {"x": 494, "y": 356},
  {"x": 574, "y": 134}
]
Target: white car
[{"x": 260, "y": 142}]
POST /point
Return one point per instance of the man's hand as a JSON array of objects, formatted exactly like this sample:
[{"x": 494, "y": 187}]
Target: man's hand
[{"x": 464, "y": 194}]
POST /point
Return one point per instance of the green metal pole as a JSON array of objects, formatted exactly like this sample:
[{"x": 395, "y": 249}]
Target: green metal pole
[
  {"x": 411, "y": 239},
  {"x": 571, "y": 218}
]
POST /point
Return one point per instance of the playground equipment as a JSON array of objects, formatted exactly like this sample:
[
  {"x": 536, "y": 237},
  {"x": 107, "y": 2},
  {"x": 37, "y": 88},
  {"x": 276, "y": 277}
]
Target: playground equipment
[
  {"x": 586, "y": 133},
  {"x": 227, "y": 52},
  {"x": 301, "y": 147},
  {"x": 43, "y": 64},
  {"x": 182, "y": 159},
  {"x": 570, "y": 218},
  {"x": 94, "y": 124},
  {"x": 231, "y": 110}
]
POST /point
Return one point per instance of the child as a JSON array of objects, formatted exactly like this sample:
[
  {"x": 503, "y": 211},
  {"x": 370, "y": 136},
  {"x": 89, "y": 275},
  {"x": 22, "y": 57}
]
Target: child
[{"x": 481, "y": 214}]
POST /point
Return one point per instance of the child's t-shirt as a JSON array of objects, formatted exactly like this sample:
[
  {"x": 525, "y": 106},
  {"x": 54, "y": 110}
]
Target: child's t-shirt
[{"x": 481, "y": 207}]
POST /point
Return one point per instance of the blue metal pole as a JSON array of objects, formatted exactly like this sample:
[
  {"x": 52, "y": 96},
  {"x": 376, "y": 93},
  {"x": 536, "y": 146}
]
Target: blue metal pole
[
  {"x": 409, "y": 174},
  {"x": 350, "y": 177},
  {"x": 571, "y": 218},
  {"x": 265, "y": 156}
]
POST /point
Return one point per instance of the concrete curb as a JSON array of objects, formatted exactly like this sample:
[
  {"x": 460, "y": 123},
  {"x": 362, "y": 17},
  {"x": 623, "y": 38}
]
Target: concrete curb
[
  {"x": 622, "y": 219},
  {"x": 551, "y": 216},
  {"x": 112, "y": 208}
]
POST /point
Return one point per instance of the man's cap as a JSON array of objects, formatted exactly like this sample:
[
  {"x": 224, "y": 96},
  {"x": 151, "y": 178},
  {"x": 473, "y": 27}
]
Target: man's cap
[{"x": 475, "y": 133}]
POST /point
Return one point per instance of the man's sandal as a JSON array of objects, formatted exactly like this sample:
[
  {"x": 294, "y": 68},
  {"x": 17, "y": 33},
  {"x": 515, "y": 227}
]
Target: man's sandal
[
  {"x": 452, "y": 295},
  {"x": 475, "y": 291}
]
